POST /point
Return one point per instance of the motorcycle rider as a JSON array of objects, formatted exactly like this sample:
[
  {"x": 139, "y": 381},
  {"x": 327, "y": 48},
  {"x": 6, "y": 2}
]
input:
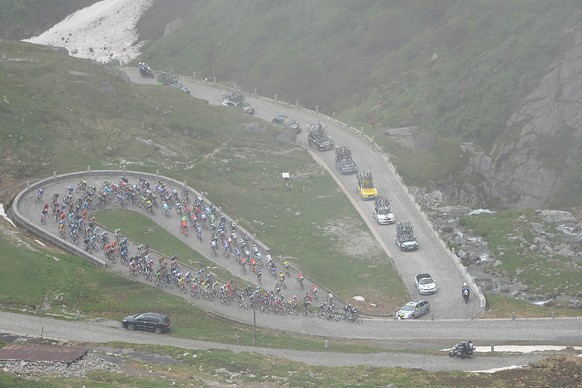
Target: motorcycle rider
[
  {"x": 465, "y": 349},
  {"x": 466, "y": 291}
]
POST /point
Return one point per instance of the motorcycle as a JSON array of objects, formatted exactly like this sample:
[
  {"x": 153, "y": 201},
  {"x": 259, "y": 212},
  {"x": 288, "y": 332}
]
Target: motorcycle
[
  {"x": 462, "y": 350},
  {"x": 466, "y": 293},
  {"x": 145, "y": 71}
]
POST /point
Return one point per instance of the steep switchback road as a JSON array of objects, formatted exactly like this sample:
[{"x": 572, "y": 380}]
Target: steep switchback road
[
  {"x": 431, "y": 257},
  {"x": 563, "y": 331}
]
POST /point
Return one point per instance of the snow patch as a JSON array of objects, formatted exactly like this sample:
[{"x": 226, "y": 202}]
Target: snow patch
[
  {"x": 493, "y": 370},
  {"x": 103, "y": 32},
  {"x": 476, "y": 212},
  {"x": 522, "y": 348},
  {"x": 3, "y": 215}
]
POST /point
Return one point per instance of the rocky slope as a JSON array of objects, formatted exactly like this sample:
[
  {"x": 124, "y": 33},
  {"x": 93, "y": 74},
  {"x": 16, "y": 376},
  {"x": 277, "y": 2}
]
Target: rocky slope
[
  {"x": 553, "y": 233},
  {"x": 534, "y": 162}
]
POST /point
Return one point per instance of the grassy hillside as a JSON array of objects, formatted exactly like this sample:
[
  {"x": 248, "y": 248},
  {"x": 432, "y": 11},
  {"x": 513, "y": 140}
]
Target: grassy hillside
[
  {"x": 456, "y": 69},
  {"x": 317, "y": 52},
  {"x": 64, "y": 114},
  {"x": 60, "y": 113}
]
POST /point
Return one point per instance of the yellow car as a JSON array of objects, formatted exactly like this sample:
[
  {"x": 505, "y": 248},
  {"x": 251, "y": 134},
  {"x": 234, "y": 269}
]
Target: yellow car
[{"x": 366, "y": 189}]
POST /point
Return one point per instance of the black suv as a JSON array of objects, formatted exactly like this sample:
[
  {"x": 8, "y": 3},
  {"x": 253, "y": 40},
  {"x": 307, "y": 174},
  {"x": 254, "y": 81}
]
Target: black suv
[
  {"x": 158, "y": 323},
  {"x": 318, "y": 137}
]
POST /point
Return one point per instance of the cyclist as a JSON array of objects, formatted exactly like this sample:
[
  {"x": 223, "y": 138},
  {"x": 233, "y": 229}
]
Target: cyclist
[
  {"x": 166, "y": 208},
  {"x": 181, "y": 281},
  {"x": 40, "y": 195},
  {"x": 314, "y": 290},
  {"x": 44, "y": 213},
  {"x": 183, "y": 226},
  {"x": 300, "y": 279},
  {"x": 62, "y": 228},
  {"x": 330, "y": 299},
  {"x": 307, "y": 301}
]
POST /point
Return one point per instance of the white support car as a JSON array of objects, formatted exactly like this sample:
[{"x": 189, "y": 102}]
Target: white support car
[{"x": 425, "y": 284}]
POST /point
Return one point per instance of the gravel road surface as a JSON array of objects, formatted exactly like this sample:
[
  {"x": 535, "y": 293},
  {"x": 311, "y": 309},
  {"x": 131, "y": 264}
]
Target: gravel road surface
[
  {"x": 108, "y": 331},
  {"x": 431, "y": 257},
  {"x": 562, "y": 331}
]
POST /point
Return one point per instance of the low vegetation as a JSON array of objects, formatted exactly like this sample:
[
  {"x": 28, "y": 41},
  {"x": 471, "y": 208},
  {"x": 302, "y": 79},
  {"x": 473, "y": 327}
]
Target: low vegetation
[
  {"x": 222, "y": 367},
  {"x": 58, "y": 284},
  {"x": 454, "y": 69},
  {"x": 510, "y": 237}
]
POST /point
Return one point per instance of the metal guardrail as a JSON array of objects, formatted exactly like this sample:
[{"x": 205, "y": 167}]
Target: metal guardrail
[
  {"x": 454, "y": 258},
  {"x": 22, "y": 221}
]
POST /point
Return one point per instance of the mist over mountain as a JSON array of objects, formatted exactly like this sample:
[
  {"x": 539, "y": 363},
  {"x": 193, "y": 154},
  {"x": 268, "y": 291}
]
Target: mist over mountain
[{"x": 479, "y": 100}]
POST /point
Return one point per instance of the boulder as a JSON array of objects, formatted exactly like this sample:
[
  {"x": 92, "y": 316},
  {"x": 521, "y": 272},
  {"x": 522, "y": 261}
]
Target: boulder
[{"x": 557, "y": 217}]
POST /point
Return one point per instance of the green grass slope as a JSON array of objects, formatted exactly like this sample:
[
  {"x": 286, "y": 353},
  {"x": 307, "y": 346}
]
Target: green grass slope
[
  {"x": 454, "y": 69},
  {"x": 378, "y": 58},
  {"x": 64, "y": 114}
]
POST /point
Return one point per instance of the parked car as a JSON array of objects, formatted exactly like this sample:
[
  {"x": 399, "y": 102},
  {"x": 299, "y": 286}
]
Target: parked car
[
  {"x": 158, "y": 323},
  {"x": 288, "y": 122},
  {"x": 413, "y": 309},
  {"x": 425, "y": 284}
]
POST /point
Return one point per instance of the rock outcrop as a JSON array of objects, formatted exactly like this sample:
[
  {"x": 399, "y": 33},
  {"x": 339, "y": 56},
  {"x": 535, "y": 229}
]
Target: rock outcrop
[
  {"x": 531, "y": 162},
  {"x": 552, "y": 233}
]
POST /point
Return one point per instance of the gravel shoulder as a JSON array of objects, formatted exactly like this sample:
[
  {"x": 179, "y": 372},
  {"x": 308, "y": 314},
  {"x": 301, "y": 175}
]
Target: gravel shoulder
[{"x": 102, "y": 332}]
